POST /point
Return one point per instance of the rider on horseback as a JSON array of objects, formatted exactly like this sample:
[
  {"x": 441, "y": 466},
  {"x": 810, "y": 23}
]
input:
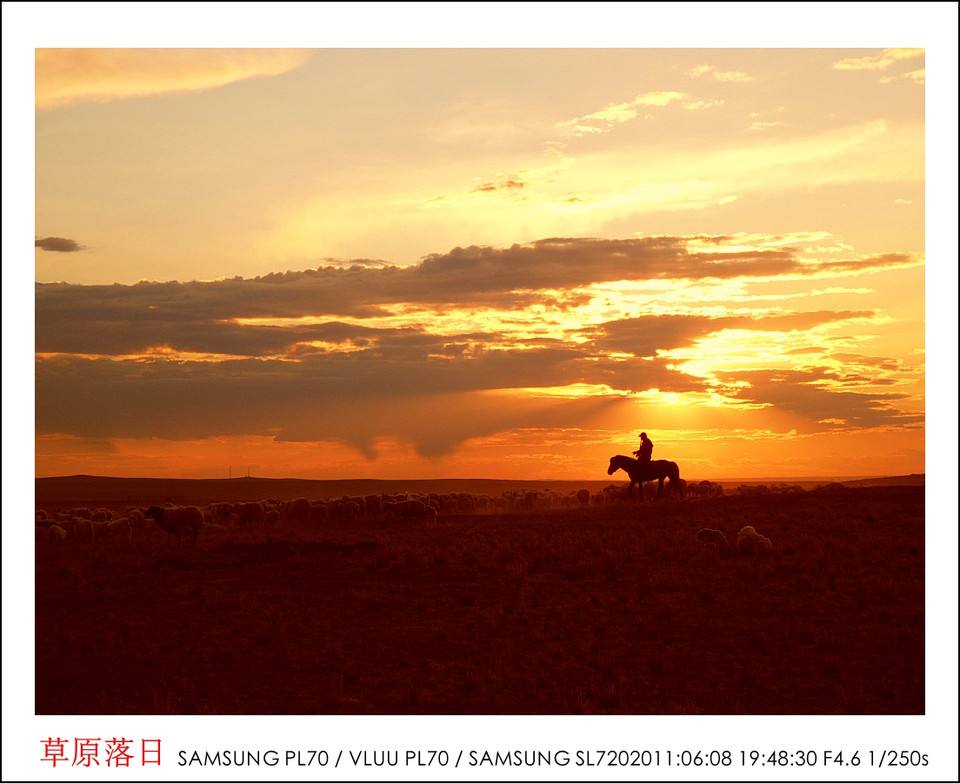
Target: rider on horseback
[
  {"x": 645, "y": 468},
  {"x": 645, "y": 452}
]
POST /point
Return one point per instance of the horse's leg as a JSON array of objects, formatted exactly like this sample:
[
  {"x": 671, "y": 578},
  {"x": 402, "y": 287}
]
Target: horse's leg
[{"x": 659, "y": 487}]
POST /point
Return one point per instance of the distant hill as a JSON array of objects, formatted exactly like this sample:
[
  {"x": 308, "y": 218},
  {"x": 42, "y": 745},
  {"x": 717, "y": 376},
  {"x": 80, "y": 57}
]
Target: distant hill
[
  {"x": 809, "y": 482},
  {"x": 107, "y": 490},
  {"x": 912, "y": 480}
]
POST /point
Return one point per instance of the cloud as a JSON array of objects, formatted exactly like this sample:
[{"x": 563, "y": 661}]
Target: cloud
[
  {"x": 877, "y": 62},
  {"x": 720, "y": 76},
  {"x": 517, "y": 276},
  {"x": 617, "y": 113},
  {"x": 819, "y": 396},
  {"x": 918, "y": 76},
  {"x": 510, "y": 183},
  {"x": 645, "y": 335},
  {"x": 71, "y": 445},
  {"x": 695, "y": 105},
  {"x": 58, "y": 245},
  {"x": 70, "y": 76},
  {"x": 201, "y": 316},
  {"x": 431, "y": 403},
  {"x": 759, "y": 125},
  {"x": 295, "y": 355}
]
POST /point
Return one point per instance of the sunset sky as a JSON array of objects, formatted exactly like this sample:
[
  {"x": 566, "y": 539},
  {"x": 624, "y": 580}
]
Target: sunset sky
[{"x": 479, "y": 263}]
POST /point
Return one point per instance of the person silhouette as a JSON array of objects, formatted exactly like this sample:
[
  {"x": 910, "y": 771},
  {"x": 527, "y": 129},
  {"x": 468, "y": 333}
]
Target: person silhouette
[{"x": 645, "y": 452}]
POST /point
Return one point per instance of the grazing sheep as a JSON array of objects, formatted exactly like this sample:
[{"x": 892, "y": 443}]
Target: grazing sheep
[
  {"x": 178, "y": 521},
  {"x": 343, "y": 508},
  {"x": 350, "y": 508},
  {"x": 222, "y": 512},
  {"x": 750, "y": 542},
  {"x": 448, "y": 504},
  {"x": 80, "y": 528},
  {"x": 465, "y": 503},
  {"x": 250, "y": 514},
  {"x": 706, "y": 489},
  {"x": 713, "y": 539},
  {"x": 583, "y": 496},
  {"x": 67, "y": 523},
  {"x": 56, "y": 534},
  {"x": 137, "y": 521},
  {"x": 318, "y": 512},
  {"x": 359, "y": 500},
  {"x": 372, "y": 503},
  {"x": 115, "y": 530},
  {"x": 297, "y": 511},
  {"x": 615, "y": 493},
  {"x": 41, "y": 517}
]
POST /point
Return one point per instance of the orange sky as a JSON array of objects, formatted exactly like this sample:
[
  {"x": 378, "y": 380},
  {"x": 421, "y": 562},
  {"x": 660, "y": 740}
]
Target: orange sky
[{"x": 496, "y": 263}]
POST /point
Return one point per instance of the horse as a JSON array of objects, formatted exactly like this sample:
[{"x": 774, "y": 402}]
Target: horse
[{"x": 655, "y": 470}]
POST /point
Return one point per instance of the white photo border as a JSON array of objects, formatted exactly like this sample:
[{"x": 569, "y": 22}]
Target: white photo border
[{"x": 27, "y": 26}]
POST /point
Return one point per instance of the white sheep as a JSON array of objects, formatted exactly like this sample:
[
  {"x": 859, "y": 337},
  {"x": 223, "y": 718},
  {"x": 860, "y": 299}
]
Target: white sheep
[
  {"x": 116, "y": 530},
  {"x": 137, "y": 521},
  {"x": 318, "y": 512},
  {"x": 750, "y": 542}
]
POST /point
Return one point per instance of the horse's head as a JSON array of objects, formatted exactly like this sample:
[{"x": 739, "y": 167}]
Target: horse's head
[{"x": 611, "y": 469}]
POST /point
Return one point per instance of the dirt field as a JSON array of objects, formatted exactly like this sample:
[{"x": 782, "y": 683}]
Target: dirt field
[{"x": 585, "y": 610}]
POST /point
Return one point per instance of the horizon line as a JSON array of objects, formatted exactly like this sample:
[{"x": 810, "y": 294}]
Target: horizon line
[{"x": 455, "y": 478}]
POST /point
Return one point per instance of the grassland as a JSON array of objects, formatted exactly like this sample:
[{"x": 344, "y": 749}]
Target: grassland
[{"x": 610, "y": 609}]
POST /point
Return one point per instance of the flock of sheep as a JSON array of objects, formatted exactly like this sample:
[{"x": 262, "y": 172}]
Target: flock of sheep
[
  {"x": 95, "y": 524},
  {"x": 185, "y": 522}
]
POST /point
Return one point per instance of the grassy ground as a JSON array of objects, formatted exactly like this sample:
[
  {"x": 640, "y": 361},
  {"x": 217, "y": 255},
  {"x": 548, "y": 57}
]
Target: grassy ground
[{"x": 596, "y": 610}]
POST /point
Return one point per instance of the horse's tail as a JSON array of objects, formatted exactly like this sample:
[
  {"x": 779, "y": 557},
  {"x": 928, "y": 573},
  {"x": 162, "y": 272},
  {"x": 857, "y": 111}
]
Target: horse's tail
[{"x": 674, "y": 473}]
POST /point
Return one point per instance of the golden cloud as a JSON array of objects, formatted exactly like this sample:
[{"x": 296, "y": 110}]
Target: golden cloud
[
  {"x": 720, "y": 76},
  {"x": 877, "y": 62},
  {"x": 69, "y": 76}
]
